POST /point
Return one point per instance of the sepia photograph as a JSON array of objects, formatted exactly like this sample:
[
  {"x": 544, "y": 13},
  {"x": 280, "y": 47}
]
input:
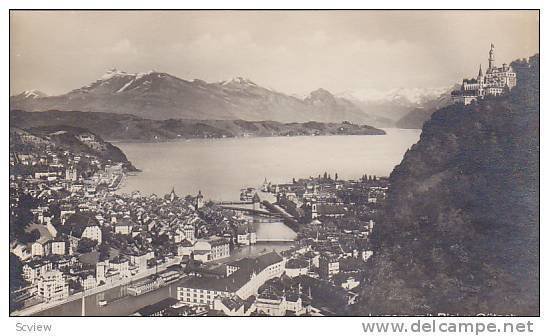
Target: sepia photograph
[{"x": 274, "y": 163}]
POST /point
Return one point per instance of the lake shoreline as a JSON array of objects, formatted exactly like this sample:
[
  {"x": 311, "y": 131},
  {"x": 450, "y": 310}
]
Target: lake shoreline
[
  {"x": 221, "y": 167},
  {"x": 115, "y": 141}
]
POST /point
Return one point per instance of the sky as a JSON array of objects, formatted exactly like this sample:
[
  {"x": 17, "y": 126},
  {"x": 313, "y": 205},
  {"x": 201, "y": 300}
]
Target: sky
[{"x": 295, "y": 52}]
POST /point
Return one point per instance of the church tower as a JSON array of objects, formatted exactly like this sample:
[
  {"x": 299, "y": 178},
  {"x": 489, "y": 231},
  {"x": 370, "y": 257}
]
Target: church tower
[
  {"x": 491, "y": 58},
  {"x": 173, "y": 196},
  {"x": 199, "y": 200},
  {"x": 480, "y": 80},
  {"x": 314, "y": 209}
]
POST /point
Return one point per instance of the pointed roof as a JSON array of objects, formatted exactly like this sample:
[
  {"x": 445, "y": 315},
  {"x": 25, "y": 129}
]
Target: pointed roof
[
  {"x": 480, "y": 70},
  {"x": 173, "y": 195},
  {"x": 256, "y": 199}
]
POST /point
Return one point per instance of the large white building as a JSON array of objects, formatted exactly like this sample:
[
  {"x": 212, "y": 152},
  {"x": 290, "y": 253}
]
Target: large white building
[
  {"x": 52, "y": 285},
  {"x": 34, "y": 269},
  {"x": 205, "y": 250},
  {"x": 57, "y": 247},
  {"x": 79, "y": 226},
  {"x": 187, "y": 232},
  {"x": 272, "y": 304},
  {"x": 242, "y": 278},
  {"x": 495, "y": 82},
  {"x": 125, "y": 226}
]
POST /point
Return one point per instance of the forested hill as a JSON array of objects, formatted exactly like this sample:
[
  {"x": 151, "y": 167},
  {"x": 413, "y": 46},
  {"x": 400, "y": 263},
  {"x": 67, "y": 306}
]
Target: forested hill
[
  {"x": 462, "y": 228},
  {"x": 65, "y": 138},
  {"x": 127, "y": 127}
]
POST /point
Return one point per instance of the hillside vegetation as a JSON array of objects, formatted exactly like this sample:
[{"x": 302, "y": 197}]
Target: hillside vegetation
[
  {"x": 461, "y": 234},
  {"x": 132, "y": 128}
]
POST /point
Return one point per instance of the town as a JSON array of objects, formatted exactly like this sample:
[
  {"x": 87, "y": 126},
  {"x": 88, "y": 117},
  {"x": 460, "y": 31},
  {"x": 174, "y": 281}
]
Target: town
[{"x": 73, "y": 236}]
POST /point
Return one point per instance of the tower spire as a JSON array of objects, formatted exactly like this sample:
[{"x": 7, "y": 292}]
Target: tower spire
[
  {"x": 480, "y": 70},
  {"x": 491, "y": 58}
]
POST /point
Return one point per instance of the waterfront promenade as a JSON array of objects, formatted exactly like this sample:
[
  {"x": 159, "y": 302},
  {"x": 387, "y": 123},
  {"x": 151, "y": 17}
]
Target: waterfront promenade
[
  {"x": 94, "y": 291},
  {"x": 124, "y": 305}
]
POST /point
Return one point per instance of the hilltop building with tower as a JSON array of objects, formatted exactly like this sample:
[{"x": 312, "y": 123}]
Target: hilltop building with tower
[{"x": 495, "y": 82}]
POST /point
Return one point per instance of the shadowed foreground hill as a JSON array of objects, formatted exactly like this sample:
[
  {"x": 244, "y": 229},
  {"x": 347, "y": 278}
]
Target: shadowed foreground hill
[{"x": 462, "y": 228}]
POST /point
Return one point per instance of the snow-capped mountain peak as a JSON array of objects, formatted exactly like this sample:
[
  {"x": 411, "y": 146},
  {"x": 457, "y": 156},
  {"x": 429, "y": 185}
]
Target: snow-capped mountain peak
[
  {"x": 161, "y": 96},
  {"x": 412, "y": 96},
  {"x": 113, "y": 73},
  {"x": 140, "y": 75},
  {"x": 240, "y": 81},
  {"x": 33, "y": 94}
]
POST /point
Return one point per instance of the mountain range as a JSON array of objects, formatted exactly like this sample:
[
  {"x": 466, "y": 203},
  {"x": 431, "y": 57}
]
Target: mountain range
[
  {"x": 421, "y": 112},
  {"x": 161, "y": 96},
  {"x": 405, "y": 107}
]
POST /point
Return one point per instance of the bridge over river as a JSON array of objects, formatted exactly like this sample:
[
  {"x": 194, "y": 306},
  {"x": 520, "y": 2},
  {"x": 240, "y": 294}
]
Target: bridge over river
[
  {"x": 271, "y": 223},
  {"x": 248, "y": 208}
]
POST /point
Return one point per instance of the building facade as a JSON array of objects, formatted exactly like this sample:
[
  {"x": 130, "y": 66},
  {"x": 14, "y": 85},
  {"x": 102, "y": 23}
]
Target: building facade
[
  {"x": 328, "y": 265},
  {"x": 93, "y": 232},
  {"x": 243, "y": 279},
  {"x": 246, "y": 235},
  {"x": 495, "y": 82},
  {"x": 52, "y": 285},
  {"x": 58, "y": 247}
]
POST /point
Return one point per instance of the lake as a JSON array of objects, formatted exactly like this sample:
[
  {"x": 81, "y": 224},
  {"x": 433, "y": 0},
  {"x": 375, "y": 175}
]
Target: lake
[{"x": 221, "y": 167}]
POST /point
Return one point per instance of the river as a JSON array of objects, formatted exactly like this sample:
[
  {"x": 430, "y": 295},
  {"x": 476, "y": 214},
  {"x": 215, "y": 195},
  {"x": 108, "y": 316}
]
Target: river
[{"x": 122, "y": 304}]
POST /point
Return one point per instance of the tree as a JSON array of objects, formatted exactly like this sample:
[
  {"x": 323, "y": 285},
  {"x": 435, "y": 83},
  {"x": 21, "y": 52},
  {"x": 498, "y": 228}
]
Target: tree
[
  {"x": 34, "y": 235},
  {"x": 16, "y": 280},
  {"x": 85, "y": 245},
  {"x": 336, "y": 177},
  {"x": 75, "y": 285},
  {"x": 104, "y": 252},
  {"x": 54, "y": 210},
  {"x": 192, "y": 265},
  {"x": 21, "y": 216},
  {"x": 106, "y": 234},
  {"x": 27, "y": 201}
]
